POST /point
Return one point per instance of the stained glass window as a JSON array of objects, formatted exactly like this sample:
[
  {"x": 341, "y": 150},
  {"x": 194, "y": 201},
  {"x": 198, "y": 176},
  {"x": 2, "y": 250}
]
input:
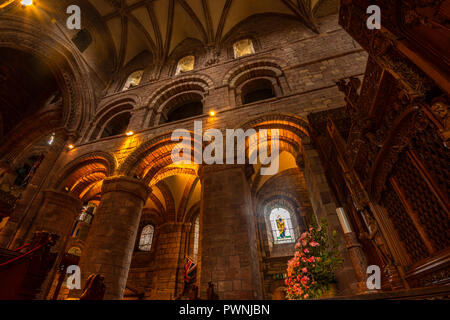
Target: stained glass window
[
  {"x": 133, "y": 80},
  {"x": 145, "y": 243},
  {"x": 281, "y": 224},
  {"x": 243, "y": 48},
  {"x": 196, "y": 237},
  {"x": 186, "y": 64}
]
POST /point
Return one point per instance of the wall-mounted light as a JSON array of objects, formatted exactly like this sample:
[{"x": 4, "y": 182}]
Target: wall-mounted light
[
  {"x": 129, "y": 133},
  {"x": 212, "y": 113},
  {"x": 71, "y": 146},
  {"x": 26, "y": 3}
]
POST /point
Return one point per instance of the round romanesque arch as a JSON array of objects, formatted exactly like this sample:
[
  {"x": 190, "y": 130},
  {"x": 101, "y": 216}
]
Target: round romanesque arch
[
  {"x": 159, "y": 100},
  {"x": 80, "y": 176},
  {"x": 109, "y": 112},
  {"x": 153, "y": 156},
  {"x": 67, "y": 65}
]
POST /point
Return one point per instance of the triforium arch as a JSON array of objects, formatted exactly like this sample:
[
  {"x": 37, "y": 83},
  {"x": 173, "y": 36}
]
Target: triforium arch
[
  {"x": 107, "y": 113},
  {"x": 162, "y": 100},
  {"x": 251, "y": 72},
  {"x": 67, "y": 65}
]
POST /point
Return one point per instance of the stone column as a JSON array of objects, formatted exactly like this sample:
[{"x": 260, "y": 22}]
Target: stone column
[
  {"x": 56, "y": 215},
  {"x": 229, "y": 256},
  {"x": 110, "y": 243}
]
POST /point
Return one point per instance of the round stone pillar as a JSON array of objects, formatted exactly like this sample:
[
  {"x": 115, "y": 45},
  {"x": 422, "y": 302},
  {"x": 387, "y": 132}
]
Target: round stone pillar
[
  {"x": 57, "y": 215},
  {"x": 110, "y": 243}
]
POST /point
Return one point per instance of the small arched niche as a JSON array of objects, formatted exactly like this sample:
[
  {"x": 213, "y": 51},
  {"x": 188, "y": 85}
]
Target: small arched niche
[
  {"x": 243, "y": 48},
  {"x": 133, "y": 80},
  {"x": 117, "y": 125},
  {"x": 257, "y": 90},
  {"x": 185, "y": 64}
]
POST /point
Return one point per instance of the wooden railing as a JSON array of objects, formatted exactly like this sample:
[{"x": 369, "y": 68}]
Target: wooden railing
[{"x": 23, "y": 271}]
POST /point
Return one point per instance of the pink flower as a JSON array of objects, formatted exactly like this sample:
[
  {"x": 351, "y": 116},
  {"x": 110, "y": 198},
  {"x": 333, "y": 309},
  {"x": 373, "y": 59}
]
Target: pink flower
[
  {"x": 314, "y": 244},
  {"x": 305, "y": 270},
  {"x": 311, "y": 259},
  {"x": 303, "y": 236},
  {"x": 306, "y": 251},
  {"x": 305, "y": 296}
]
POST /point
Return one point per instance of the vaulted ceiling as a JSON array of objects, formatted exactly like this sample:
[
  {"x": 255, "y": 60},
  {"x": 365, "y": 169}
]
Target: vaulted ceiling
[{"x": 160, "y": 25}]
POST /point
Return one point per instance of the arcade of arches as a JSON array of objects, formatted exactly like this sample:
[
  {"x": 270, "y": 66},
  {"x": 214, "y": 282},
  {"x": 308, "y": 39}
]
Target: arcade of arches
[{"x": 363, "y": 122}]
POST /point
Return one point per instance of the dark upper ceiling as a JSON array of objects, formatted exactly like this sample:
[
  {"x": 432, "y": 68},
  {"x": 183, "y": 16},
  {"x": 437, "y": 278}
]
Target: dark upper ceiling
[
  {"x": 160, "y": 25},
  {"x": 123, "y": 29}
]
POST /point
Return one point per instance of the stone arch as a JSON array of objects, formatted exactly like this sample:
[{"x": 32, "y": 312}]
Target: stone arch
[
  {"x": 85, "y": 172},
  {"x": 252, "y": 70},
  {"x": 154, "y": 155},
  {"x": 196, "y": 83},
  {"x": 107, "y": 113},
  {"x": 293, "y": 133},
  {"x": 274, "y": 66},
  {"x": 178, "y": 99},
  {"x": 70, "y": 71}
]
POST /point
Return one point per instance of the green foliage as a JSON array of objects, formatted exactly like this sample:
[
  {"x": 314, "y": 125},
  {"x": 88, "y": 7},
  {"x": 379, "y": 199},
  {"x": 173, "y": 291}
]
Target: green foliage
[{"x": 316, "y": 259}]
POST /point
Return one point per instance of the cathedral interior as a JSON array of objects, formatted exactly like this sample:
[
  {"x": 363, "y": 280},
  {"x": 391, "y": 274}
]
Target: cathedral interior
[{"x": 88, "y": 113}]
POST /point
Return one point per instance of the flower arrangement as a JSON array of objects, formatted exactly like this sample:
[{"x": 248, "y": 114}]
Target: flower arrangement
[{"x": 311, "y": 271}]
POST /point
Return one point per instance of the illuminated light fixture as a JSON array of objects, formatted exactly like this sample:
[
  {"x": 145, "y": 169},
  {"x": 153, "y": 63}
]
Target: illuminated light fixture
[
  {"x": 129, "y": 133},
  {"x": 71, "y": 146},
  {"x": 212, "y": 113},
  {"x": 26, "y": 3}
]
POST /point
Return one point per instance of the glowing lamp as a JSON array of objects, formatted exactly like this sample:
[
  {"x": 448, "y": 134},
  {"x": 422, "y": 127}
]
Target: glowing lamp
[
  {"x": 212, "y": 113},
  {"x": 26, "y": 3},
  {"x": 71, "y": 146},
  {"x": 129, "y": 133}
]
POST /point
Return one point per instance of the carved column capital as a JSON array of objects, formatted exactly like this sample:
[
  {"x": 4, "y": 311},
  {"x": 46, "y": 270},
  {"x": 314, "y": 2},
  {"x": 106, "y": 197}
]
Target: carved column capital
[{"x": 126, "y": 184}]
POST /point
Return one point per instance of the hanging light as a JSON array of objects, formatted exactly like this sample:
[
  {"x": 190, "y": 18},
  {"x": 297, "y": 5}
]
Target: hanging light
[{"x": 26, "y": 3}]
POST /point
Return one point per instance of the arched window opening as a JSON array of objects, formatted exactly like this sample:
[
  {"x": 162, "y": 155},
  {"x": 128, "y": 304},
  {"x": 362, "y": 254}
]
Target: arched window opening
[
  {"x": 185, "y": 110},
  {"x": 145, "y": 242},
  {"x": 185, "y": 64},
  {"x": 243, "y": 48},
  {"x": 133, "y": 80},
  {"x": 257, "y": 90},
  {"x": 196, "y": 238},
  {"x": 117, "y": 125},
  {"x": 281, "y": 225}
]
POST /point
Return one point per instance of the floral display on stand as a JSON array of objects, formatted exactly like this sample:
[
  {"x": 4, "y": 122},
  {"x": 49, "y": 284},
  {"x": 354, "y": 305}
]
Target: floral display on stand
[{"x": 311, "y": 273}]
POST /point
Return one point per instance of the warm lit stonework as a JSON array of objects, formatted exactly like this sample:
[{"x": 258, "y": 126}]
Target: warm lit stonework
[{"x": 360, "y": 118}]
